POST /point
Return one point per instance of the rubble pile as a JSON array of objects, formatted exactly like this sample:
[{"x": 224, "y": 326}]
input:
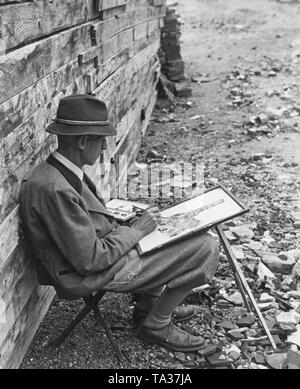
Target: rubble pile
[
  {"x": 266, "y": 248},
  {"x": 274, "y": 278},
  {"x": 236, "y": 338},
  {"x": 270, "y": 260},
  {"x": 279, "y": 110},
  {"x": 170, "y": 54}
]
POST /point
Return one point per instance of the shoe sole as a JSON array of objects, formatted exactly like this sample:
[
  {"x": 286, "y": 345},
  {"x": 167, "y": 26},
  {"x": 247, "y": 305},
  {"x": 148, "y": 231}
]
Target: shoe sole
[{"x": 171, "y": 347}]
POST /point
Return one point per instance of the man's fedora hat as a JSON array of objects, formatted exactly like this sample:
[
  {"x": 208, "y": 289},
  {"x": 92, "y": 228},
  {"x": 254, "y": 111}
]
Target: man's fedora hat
[{"x": 81, "y": 115}]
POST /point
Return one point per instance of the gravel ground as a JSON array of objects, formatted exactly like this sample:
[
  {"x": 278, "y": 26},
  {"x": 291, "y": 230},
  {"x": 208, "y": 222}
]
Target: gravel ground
[{"x": 246, "y": 48}]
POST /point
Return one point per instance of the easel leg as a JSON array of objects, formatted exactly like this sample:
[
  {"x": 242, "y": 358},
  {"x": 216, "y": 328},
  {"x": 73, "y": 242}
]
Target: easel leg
[
  {"x": 225, "y": 244},
  {"x": 242, "y": 282},
  {"x": 242, "y": 290}
]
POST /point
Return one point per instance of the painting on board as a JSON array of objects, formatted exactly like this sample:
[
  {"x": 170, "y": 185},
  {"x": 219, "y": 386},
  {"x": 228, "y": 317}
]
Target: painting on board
[{"x": 199, "y": 213}]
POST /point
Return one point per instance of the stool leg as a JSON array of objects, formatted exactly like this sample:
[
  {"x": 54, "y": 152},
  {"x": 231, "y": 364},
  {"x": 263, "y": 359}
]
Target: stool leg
[
  {"x": 87, "y": 301},
  {"x": 116, "y": 348},
  {"x": 90, "y": 304},
  {"x": 58, "y": 341}
]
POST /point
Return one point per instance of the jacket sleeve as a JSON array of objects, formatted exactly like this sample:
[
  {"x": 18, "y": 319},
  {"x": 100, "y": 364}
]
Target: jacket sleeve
[{"x": 74, "y": 234}]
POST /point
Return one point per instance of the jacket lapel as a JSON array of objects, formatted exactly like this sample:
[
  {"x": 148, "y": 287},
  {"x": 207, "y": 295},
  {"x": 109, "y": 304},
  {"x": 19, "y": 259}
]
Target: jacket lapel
[
  {"x": 77, "y": 185},
  {"x": 67, "y": 173}
]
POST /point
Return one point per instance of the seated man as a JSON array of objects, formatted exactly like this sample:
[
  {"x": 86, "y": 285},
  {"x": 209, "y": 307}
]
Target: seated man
[{"x": 83, "y": 249}]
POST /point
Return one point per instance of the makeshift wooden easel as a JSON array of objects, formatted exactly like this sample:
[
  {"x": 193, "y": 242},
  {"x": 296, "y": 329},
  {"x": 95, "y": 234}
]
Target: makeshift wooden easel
[{"x": 242, "y": 283}]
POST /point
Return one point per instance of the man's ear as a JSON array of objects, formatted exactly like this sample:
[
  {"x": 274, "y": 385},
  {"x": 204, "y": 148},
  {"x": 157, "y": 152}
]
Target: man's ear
[{"x": 82, "y": 142}]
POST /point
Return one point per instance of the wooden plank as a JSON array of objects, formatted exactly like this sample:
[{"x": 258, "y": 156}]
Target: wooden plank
[
  {"x": 133, "y": 76},
  {"x": 113, "y": 12},
  {"x": 133, "y": 93},
  {"x": 148, "y": 104},
  {"x": 126, "y": 40},
  {"x": 157, "y": 3},
  {"x": 130, "y": 117},
  {"x": 9, "y": 2},
  {"x": 160, "y": 11},
  {"x": 18, "y": 280},
  {"x": 23, "y": 141},
  {"x": 92, "y": 54},
  {"x": 140, "y": 12},
  {"x": 108, "y": 9},
  {"x": 11, "y": 185},
  {"x": 110, "y": 47},
  {"x": 13, "y": 142},
  {"x": 140, "y": 31},
  {"x": 9, "y": 235},
  {"x": 13, "y": 270},
  {"x": 108, "y": 4},
  {"x": 18, "y": 108},
  {"x": 133, "y": 138},
  {"x": 23, "y": 67},
  {"x": 125, "y": 35},
  {"x": 153, "y": 26},
  {"x": 129, "y": 145},
  {"x": 133, "y": 116},
  {"x": 31, "y": 132},
  {"x": 23, "y": 23},
  {"x": 108, "y": 28},
  {"x": 149, "y": 110},
  {"x": 12, "y": 350}
]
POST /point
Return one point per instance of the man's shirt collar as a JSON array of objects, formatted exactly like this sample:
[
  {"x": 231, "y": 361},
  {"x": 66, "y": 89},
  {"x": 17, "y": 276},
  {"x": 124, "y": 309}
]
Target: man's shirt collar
[{"x": 70, "y": 165}]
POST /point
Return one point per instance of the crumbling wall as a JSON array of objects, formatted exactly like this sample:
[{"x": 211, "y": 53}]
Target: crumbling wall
[
  {"x": 173, "y": 78},
  {"x": 170, "y": 52}
]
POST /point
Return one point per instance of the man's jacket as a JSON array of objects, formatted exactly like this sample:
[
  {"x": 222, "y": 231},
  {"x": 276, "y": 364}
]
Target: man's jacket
[{"x": 69, "y": 230}]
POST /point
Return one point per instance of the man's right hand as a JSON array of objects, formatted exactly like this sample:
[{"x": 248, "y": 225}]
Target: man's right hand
[{"x": 147, "y": 222}]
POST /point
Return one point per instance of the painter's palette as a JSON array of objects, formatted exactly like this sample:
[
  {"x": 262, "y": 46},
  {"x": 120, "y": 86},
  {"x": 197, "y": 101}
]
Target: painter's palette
[{"x": 124, "y": 210}]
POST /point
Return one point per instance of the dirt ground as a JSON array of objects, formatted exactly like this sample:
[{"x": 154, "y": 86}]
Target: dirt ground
[
  {"x": 239, "y": 56},
  {"x": 243, "y": 34}
]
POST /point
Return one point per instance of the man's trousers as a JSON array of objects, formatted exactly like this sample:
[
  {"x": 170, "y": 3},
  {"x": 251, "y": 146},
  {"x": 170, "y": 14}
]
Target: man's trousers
[{"x": 186, "y": 264}]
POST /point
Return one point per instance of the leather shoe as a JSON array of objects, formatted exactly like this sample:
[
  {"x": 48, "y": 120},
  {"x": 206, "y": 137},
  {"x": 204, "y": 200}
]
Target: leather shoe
[
  {"x": 181, "y": 313},
  {"x": 172, "y": 337}
]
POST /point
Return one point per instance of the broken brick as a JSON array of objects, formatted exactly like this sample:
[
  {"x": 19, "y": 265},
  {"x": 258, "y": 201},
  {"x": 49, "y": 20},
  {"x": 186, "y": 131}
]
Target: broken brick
[
  {"x": 246, "y": 321},
  {"x": 218, "y": 360},
  {"x": 227, "y": 325},
  {"x": 208, "y": 350}
]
